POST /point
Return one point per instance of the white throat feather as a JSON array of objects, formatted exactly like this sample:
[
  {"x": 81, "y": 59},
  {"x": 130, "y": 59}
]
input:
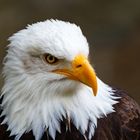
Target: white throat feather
[{"x": 38, "y": 111}]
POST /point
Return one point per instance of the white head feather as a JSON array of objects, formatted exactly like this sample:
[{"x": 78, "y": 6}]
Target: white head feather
[{"x": 36, "y": 99}]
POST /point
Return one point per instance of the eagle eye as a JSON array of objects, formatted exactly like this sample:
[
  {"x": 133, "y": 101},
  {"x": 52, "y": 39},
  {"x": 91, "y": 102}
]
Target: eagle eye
[{"x": 50, "y": 59}]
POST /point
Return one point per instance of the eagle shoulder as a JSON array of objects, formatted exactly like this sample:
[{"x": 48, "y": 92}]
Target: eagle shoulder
[
  {"x": 129, "y": 112},
  {"x": 123, "y": 124}
]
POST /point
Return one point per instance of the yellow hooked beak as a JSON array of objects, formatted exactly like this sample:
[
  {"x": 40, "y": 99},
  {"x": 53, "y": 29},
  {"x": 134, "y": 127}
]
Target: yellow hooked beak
[{"x": 82, "y": 71}]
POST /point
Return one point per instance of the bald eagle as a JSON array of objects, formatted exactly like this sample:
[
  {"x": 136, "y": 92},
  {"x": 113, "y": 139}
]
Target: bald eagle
[{"x": 51, "y": 91}]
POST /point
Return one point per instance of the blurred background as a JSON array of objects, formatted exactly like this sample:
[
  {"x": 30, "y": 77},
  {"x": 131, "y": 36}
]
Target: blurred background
[{"x": 112, "y": 29}]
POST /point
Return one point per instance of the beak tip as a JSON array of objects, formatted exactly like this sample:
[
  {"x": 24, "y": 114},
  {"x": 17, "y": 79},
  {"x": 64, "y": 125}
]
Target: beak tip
[{"x": 94, "y": 91}]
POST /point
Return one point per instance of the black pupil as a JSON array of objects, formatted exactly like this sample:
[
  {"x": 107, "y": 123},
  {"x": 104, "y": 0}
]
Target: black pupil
[{"x": 51, "y": 58}]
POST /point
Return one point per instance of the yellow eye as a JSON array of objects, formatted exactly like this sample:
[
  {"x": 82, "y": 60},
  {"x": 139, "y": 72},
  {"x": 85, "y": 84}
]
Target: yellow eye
[{"x": 50, "y": 59}]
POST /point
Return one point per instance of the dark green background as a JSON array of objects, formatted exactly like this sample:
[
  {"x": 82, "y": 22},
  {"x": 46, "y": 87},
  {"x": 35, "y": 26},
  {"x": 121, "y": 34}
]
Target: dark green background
[{"x": 112, "y": 28}]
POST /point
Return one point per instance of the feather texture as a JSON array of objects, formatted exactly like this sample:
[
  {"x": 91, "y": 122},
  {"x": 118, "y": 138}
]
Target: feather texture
[{"x": 38, "y": 104}]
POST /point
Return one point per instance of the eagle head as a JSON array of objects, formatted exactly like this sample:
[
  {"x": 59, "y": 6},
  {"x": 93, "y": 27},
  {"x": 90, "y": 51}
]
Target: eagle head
[{"x": 48, "y": 77}]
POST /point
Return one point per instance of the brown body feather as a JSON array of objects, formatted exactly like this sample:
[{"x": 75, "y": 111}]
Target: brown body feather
[{"x": 123, "y": 124}]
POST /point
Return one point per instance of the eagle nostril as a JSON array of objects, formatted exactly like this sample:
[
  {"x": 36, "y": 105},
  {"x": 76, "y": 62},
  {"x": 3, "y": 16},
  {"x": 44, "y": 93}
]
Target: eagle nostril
[{"x": 78, "y": 66}]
